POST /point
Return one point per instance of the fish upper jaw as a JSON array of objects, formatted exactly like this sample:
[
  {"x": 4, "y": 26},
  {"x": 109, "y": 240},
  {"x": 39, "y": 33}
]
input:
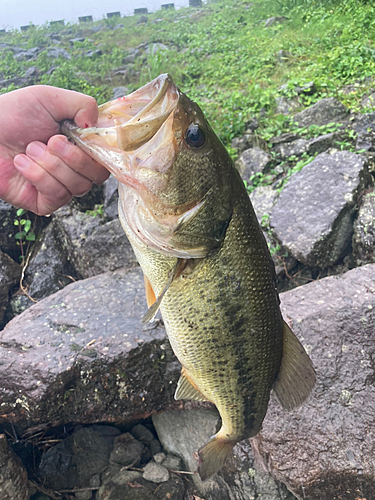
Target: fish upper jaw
[{"x": 131, "y": 131}]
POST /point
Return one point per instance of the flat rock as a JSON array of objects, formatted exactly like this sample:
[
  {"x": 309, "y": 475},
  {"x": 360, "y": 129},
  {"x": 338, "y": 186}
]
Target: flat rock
[
  {"x": 87, "y": 356},
  {"x": 313, "y": 215},
  {"x": 364, "y": 231},
  {"x": 326, "y": 448},
  {"x": 155, "y": 472},
  {"x": 321, "y": 113}
]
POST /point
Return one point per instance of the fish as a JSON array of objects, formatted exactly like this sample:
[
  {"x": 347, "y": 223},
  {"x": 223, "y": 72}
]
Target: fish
[{"x": 206, "y": 263}]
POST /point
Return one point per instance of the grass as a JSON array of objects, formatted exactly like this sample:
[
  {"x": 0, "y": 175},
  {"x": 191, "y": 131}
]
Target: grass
[{"x": 222, "y": 57}]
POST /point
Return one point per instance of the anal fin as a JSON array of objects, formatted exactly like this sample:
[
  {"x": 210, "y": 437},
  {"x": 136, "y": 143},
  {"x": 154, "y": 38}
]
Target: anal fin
[
  {"x": 186, "y": 390},
  {"x": 296, "y": 377}
]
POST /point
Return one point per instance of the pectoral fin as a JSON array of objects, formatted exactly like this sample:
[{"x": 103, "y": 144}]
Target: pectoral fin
[
  {"x": 186, "y": 390},
  {"x": 296, "y": 377},
  {"x": 176, "y": 271},
  {"x": 150, "y": 295}
]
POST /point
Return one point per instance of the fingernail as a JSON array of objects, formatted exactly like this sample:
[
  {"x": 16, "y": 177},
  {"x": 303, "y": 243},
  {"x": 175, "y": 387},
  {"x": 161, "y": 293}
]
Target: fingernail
[
  {"x": 59, "y": 145},
  {"x": 21, "y": 161},
  {"x": 35, "y": 149}
]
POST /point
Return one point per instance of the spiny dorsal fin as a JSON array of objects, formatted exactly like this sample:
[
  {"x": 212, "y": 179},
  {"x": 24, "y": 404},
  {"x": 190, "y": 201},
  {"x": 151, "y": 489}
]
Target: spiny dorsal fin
[
  {"x": 150, "y": 295},
  {"x": 186, "y": 390},
  {"x": 296, "y": 377},
  {"x": 176, "y": 271}
]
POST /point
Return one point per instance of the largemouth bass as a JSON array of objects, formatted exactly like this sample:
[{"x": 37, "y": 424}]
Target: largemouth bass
[{"x": 189, "y": 219}]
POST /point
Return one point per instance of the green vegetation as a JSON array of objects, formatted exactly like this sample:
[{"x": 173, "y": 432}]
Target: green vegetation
[{"x": 222, "y": 56}]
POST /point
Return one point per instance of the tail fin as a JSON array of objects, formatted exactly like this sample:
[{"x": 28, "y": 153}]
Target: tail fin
[{"x": 212, "y": 456}]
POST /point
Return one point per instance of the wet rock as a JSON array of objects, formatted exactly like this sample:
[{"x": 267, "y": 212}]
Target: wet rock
[
  {"x": 321, "y": 113},
  {"x": 10, "y": 274},
  {"x": 71, "y": 463},
  {"x": 87, "y": 355},
  {"x": 271, "y": 21},
  {"x": 364, "y": 231},
  {"x": 313, "y": 215},
  {"x": 49, "y": 269},
  {"x": 13, "y": 476},
  {"x": 327, "y": 447},
  {"x": 155, "y": 472},
  {"x": 126, "y": 451},
  {"x": 252, "y": 161},
  {"x": 184, "y": 432}
]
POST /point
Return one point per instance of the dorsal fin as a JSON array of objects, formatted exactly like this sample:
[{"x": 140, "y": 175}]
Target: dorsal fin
[
  {"x": 296, "y": 377},
  {"x": 186, "y": 390}
]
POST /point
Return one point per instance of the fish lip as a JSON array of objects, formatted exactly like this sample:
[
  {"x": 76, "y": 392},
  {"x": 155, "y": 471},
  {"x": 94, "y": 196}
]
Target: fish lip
[{"x": 160, "y": 98}]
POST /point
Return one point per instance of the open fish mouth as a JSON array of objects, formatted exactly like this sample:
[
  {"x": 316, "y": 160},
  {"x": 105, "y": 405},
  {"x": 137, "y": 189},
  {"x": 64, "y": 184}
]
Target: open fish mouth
[{"x": 126, "y": 124}]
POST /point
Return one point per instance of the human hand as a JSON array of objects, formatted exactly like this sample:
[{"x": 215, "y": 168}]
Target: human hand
[{"x": 41, "y": 170}]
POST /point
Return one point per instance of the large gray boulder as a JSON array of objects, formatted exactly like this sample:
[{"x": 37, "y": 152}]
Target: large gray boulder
[
  {"x": 313, "y": 216},
  {"x": 87, "y": 356},
  {"x": 321, "y": 113},
  {"x": 326, "y": 448}
]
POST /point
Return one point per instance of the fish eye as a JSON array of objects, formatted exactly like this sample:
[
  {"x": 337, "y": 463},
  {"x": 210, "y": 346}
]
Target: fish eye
[{"x": 195, "y": 136}]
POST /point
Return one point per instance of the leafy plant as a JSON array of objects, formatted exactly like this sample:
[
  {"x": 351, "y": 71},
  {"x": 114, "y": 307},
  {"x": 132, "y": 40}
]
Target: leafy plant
[{"x": 25, "y": 232}]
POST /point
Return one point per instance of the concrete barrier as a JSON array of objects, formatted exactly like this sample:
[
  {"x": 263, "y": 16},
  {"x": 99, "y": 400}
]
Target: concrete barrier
[
  {"x": 113, "y": 14},
  {"x": 195, "y": 3},
  {"x": 61, "y": 22},
  {"x": 27, "y": 27},
  {"x": 85, "y": 19},
  {"x": 168, "y": 6},
  {"x": 142, "y": 10}
]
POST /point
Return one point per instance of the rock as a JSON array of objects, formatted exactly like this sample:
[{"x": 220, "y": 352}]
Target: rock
[
  {"x": 322, "y": 143},
  {"x": 13, "y": 476},
  {"x": 130, "y": 485},
  {"x": 126, "y": 451},
  {"x": 92, "y": 54},
  {"x": 184, "y": 432},
  {"x": 263, "y": 198},
  {"x": 71, "y": 463},
  {"x": 87, "y": 355},
  {"x": 327, "y": 447},
  {"x": 321, "y": 113},
  {"x": 368, "y": 101},
  {"x": 364, "y": 126},
  {"x": 142, "y": 434},
  {"x": 92, "y": 245},
  {"x": 155, "y": 472},
  {"x": 10, "y": 274},
  {"x": 285, "y": 105},
  {"x": 8, "y": 243},
  {"x": 308, "y": 88},
  {"x": 172, "y": 462},
  {"x": 142, "y": 20},
  {"x": 313, "y": 215},
  {"x": 284, "y": 138},
  {"x": 49, "y": 269},
  {"x": 271, "y": 21},
  {"x": 283, "y": 56},
  {"x": 155, "y": 447},
  {"x": 156, "y": 47},
  {"x": 252, "y": 161},
  {"x": 77, "y": 39},
  {"x": 295, "y": 148},
  {"x": 58, "y": 52},
  {"x": 119, "y": 92},
  {"x": 364, "y": 231},
  {"x": 159, "y": 457}
]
